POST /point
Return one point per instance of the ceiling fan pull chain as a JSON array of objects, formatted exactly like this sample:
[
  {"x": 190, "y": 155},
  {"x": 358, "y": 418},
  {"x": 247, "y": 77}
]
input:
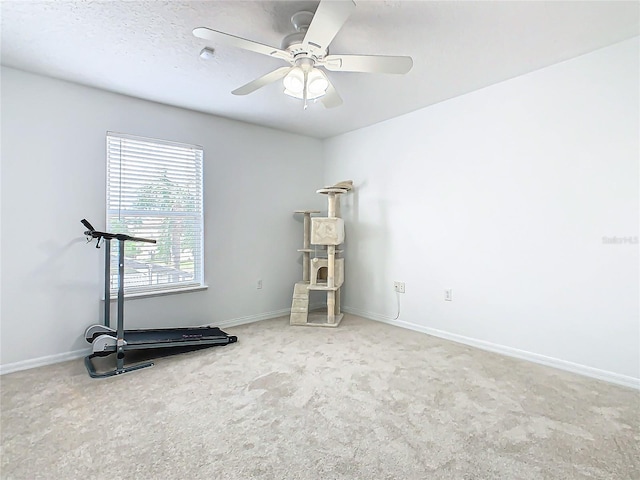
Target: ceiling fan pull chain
[{"x": 304, "y": 89}]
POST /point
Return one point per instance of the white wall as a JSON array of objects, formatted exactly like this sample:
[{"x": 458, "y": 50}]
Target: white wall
[
  {"x": 504, "y": 196},
  {"x": 53, "y": 175}
]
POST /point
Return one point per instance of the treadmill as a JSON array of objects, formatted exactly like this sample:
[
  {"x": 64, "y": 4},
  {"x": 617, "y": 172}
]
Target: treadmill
[{"x": 106, "y": 341}]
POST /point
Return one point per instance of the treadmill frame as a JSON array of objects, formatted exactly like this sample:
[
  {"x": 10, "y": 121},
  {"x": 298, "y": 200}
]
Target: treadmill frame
[{"x": 121, "y": 346}]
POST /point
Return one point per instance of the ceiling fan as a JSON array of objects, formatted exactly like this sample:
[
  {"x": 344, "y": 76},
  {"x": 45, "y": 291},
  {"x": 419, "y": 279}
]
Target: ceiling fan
[{"x": 307, "y": 49}]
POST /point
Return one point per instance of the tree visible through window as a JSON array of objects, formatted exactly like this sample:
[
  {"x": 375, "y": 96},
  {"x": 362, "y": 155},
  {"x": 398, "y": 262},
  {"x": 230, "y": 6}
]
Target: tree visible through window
[{"x": 154, "y": 190}]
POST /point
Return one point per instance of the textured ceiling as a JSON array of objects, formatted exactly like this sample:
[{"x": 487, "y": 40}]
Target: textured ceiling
[{"x": 146, "y": 50}]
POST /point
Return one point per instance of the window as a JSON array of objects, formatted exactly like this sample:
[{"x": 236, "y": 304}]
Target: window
[{"x": 154, "y": 190}]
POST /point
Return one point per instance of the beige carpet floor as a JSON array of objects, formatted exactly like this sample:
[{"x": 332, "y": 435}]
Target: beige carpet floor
[{"x": 364, "y": 401}]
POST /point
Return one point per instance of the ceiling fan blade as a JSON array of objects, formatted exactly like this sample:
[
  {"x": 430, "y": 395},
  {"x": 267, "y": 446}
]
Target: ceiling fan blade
[
  {"x": 331, "y": 98},
  {"x": 327, "y": 22},
  {"x": 233, "y": 41},
  {"x": 368, "y": 63},
  {"x": 262, "y": 81}
]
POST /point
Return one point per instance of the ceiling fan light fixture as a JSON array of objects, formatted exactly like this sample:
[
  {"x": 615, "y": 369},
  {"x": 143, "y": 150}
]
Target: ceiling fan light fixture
[
  {"x": 316, "y": 85},
  {"x": 294, "y": 81},
  {"x": 300, "y": 95}
]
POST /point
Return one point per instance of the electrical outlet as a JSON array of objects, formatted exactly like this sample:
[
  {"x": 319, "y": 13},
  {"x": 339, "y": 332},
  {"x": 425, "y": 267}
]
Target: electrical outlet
[
  {"x": 398, "y": 287},
  {"x": 448, "y": 295},
  {"x": 259, "y": 284}
]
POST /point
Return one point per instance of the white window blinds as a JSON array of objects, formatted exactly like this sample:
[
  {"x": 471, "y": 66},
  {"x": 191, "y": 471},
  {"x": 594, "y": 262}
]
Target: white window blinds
[{"x": 154, "y": 190}]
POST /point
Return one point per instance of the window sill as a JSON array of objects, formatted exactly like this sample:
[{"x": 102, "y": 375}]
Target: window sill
[{"x": 160, "y": 293}]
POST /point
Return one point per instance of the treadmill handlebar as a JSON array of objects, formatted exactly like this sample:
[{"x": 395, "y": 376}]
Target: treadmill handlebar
[
  {"x": 86, "y": 223},
  {"x": 93, "y": 233}
]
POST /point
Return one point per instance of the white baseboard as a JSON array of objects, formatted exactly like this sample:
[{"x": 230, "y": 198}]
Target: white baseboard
[
  {"x": 234, "y": 322},
  {"x": 585, "y": 370},
  {"x": 318, "y": 306},
  {"x": 285, "y": 312},
  {"x": 42, "y": 361}
]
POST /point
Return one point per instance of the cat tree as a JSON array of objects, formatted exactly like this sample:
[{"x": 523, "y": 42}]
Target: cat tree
[{"x": 325, "y": 273}]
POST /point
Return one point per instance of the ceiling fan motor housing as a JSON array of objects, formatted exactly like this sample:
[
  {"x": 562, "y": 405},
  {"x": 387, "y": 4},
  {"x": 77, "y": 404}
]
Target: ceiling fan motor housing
[{"x": 293, "y": 42}]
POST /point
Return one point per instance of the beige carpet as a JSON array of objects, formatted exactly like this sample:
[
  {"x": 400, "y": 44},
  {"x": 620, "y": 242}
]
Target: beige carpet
[{"x": 364, "y": 401}]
